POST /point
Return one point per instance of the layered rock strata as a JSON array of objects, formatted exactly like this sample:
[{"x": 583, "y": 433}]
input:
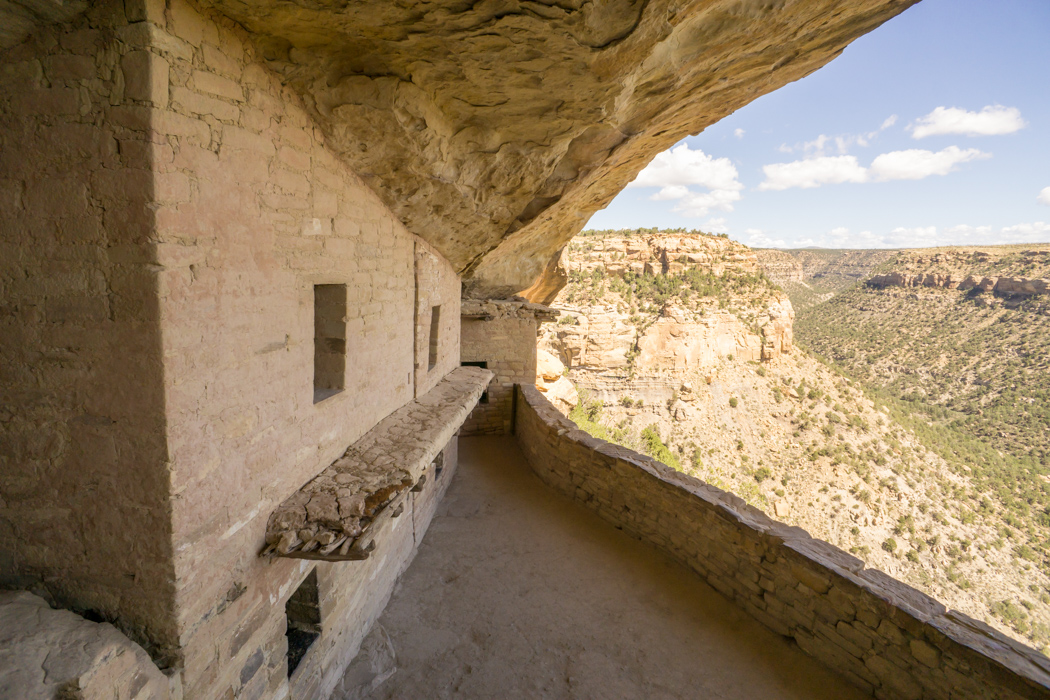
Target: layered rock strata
[
  {"x": 613, "y": 334},
  {"x": 1006, "y": 286},
  {"x": 1010, "y": 271}
]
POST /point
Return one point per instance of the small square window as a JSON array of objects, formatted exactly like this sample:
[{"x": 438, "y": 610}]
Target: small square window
[
  {"x": 329, "y": 340},
  {"x": 435, "y": 325}
]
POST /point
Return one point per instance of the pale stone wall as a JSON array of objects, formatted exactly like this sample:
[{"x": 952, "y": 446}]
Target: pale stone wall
[
  {"x": 167, "y": 208},
  {"x": 508, "y": 346},
  {"x": 83, "y": 475},
  {"x": 437, "y": 284},
  {"x": 886, "y": 637},
  {"x": 254, "y": 211}
]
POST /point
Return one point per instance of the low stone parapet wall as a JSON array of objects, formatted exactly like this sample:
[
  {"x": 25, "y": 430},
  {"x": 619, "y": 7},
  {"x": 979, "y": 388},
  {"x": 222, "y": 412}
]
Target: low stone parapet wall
[{"x": 886, "y": 637}]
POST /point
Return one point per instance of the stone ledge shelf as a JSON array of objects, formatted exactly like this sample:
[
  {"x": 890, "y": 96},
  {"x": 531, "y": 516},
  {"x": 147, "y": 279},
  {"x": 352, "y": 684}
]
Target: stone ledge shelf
[
  {"x": 889, "y": 639},
  {"x": 337, "y": 514}
]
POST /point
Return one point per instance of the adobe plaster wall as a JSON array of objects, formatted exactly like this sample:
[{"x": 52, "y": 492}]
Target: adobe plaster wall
[
  {"x": 84, "y": 510},
  {"x": 884, "y": 636},
  {"x": 255, "y": 210}
]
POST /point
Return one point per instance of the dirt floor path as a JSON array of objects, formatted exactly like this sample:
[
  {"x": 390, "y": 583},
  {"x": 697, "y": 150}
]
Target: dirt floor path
[{"x": 518, "y": 593}]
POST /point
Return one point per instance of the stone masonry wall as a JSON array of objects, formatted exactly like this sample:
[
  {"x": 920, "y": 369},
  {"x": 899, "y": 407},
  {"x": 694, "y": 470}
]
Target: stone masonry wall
[
  {"x": 886, "y": 637},
  {"x": 253, "y": 211},
  {"x": 508, "y": 346},
  {"x": 84, "y": 509},
  {"x": 437, "y": 284}
]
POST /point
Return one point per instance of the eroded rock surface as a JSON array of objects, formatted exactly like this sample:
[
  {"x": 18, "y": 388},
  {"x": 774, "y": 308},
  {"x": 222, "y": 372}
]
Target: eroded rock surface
[
  {"x": 606, "y": 328},
  {"x": 46, "y": 653},
  {"x": 332, "y": 510},
  {"x": 1010, "y": 271},
  {"x": 495, "y": 129}
]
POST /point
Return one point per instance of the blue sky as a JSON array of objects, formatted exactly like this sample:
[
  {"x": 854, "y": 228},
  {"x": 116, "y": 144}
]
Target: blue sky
[{"x": 932, "y": 130}]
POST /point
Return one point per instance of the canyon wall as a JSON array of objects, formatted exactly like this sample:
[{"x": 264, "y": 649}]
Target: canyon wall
[
  {"x": 619, "y": 331},
  {"x": 1009, "y": 271},
  {"x": 836, "y": 268}
]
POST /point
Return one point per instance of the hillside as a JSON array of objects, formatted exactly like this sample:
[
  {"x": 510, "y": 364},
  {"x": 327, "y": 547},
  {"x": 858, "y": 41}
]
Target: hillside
[
  {"x": 681, "y": 348},
  {"x": 813, "y": 275}
]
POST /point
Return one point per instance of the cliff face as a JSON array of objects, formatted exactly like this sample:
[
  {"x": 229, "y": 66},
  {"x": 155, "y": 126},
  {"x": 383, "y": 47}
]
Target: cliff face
[
  {"x": 636, "y": 303},
  {"x": 844, "y": 267},
  {"x": 812, "y": 276}
]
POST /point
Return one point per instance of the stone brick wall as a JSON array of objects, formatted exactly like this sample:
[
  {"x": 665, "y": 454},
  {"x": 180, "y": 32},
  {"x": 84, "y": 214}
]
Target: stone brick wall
[
  {"x": 167, "y": 207},
  {"x": 508, "y": 346},
  {"x": 438, "y": 285},
  {"x": 83, "y": 456},
  {"x": 886, "y": 637},
  {"x": 253, "y": 211}
]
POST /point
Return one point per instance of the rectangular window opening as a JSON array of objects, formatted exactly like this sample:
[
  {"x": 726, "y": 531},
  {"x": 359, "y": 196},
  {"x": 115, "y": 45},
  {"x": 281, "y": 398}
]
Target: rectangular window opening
[
  {"x": 435, "y": 324},
  {"x": 303, "y": 613},
  {"x": 329, "y": 340},
  {"x": 483, "y": 364}
]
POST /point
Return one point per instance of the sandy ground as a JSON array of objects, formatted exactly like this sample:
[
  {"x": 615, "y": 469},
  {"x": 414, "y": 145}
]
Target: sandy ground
[{"x": 518, "y": 593}]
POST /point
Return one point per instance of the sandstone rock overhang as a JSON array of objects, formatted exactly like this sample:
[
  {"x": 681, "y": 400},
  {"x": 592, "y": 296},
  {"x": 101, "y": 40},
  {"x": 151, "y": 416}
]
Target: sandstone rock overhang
[{"x": 495, "y": 128}]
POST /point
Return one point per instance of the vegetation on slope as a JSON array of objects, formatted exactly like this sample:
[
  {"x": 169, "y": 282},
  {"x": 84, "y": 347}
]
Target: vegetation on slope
[
  {"x": 929, "y": 461},
  {"x": 972, "y": 382}
]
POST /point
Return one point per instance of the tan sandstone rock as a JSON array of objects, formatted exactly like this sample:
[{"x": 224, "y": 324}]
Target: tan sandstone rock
[{"x": 494, "y": 130}]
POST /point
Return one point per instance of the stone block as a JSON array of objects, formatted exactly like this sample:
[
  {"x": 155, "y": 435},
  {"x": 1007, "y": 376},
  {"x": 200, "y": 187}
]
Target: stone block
[
  {"x": 218, "y": 61},
  {"x": 237, "y": 138},
  {"x": 188, "y": 24},
  {"x": 195, "y": 103},
  {"x": 145, "y": 77},
  {"x": 57, "y": 101},
  {"x": 68, "y": 67},
  {"x": 926, "y": 654},
  {"x": 145, "y": 11},
  {"x": 218, "y": 85}
]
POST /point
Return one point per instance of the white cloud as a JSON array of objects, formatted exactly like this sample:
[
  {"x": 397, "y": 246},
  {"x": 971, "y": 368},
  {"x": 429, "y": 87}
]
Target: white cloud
[
  {"x": 1044, "y": 196},
  {"x": 927, "y": 236},
  {"x": 756, "y": 238},
  {"x": 993, "y": 120},
  {"x": 912, "y": 164},
  {"x": 821, "y": 146},
  {"x": 670, "y": 192},
  {"x": 916, "y": 164},
  {"x": 680, "y": 168},
  {"x": 911, "y": 237},
  {"x": 716, "y": 225},
  {"x": 701, "y": 203},
  {"x": 684, "y": 166},
  {"x": 812, "y": 173},
  {"x": 739, "y": 133}
]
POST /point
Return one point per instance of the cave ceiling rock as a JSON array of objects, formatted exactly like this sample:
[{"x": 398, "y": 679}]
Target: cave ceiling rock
[{"x": 494, "y": 129}]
